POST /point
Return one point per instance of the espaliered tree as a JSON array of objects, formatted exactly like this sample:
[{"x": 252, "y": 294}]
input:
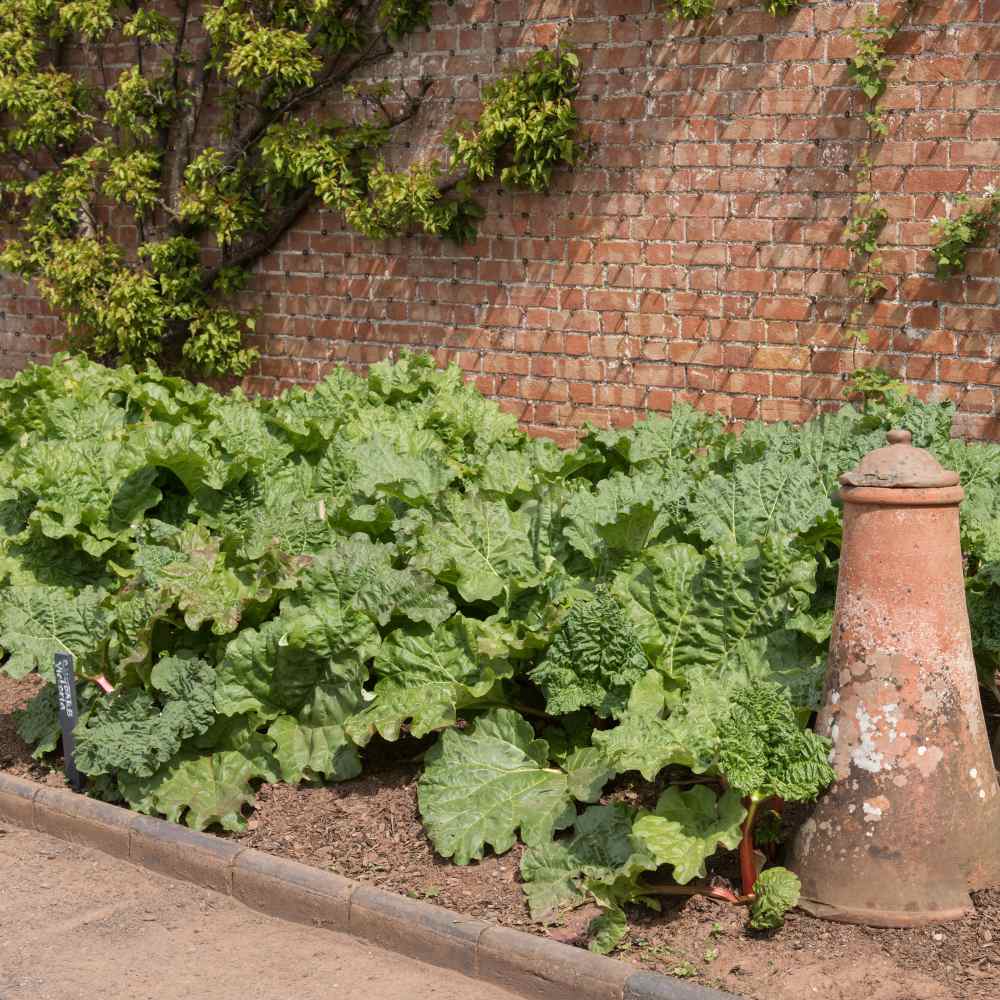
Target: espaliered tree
[{"x": 150, "y": 153}]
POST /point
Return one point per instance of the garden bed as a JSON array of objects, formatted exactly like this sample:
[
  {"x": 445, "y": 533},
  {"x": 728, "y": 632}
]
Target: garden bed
[{"x": 369, "y": 829}]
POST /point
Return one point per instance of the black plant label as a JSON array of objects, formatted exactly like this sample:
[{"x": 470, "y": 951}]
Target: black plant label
[{"x": 65, "y": 670}]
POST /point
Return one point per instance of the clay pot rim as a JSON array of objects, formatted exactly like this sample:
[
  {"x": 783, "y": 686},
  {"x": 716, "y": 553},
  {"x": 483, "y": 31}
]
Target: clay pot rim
[{"x": 895, "y": 496}]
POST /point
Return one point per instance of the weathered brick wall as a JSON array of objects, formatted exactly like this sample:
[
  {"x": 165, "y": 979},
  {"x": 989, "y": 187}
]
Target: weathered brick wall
[{"x": 697, "y": 254}]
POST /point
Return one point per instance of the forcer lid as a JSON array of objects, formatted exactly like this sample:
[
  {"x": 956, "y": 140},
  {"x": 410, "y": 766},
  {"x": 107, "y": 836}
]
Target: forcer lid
[{"x": 901, "y": 465}]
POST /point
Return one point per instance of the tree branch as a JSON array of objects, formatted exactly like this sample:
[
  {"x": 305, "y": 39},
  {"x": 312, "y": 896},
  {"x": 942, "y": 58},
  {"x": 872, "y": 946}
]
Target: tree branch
[
  {"x": 333, "y": 73},
  {"x": 279, "y": 224}
]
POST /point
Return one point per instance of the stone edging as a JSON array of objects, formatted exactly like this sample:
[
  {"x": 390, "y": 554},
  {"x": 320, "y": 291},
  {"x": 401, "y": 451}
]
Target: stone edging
[{"x": 531, "y": 966}]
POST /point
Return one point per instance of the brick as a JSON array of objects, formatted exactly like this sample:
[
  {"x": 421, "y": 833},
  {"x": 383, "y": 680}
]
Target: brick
[{"x": 781, "y": 358}]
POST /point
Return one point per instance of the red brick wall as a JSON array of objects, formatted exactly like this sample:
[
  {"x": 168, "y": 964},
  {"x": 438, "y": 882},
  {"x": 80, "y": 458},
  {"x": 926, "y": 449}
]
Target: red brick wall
[{"x": 697, "y": 254}]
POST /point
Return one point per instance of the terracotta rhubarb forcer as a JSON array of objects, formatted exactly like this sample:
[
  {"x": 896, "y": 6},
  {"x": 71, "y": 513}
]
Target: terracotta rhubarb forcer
[{"x": 913, "y": 820}]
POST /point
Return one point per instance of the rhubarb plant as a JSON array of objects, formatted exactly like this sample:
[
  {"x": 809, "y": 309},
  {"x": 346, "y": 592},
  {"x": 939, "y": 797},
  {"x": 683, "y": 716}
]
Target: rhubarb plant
[{"x": 284, "y": 589}]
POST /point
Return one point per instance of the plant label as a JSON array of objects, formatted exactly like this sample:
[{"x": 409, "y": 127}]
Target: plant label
[{"x": 65, "y": 670}]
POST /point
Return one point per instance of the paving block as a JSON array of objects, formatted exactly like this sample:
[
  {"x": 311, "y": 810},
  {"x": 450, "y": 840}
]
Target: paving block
[
  {"x": 420, "y": 930},
  {"x": 286, "y": 889},
  {"x": 80, "y": 820},
  {"x": 547, "y": 970},
  {"x": 17, "y": 800},
  {"x": 177, "y": 852}
]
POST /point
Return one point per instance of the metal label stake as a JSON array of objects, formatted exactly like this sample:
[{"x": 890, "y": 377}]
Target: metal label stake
[{"x": 65, "y": 670}]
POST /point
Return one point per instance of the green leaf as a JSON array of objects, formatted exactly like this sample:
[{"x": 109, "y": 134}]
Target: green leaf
[
  {"x": 587, "y": 771},
  {"x": 647, "y": 743},
  {"x": 607, "y": 931},
  {"x": 425, "y": 676},
  {"x": 593, "y": 661},
  {"x": 38, "y": 622},
  {"x": 763, "y": 752},
  {"x": 204, "y": 790},
  {"x": 129, "y": 731},
  {"x": 359, "y": 573},
  {"x": 481, "y": 547},
  {"x": 601, "y": 849},
  {"x": 687, "y": 828},
  {"x": 624, "y": 514},
  {"x": 38, "y": 722},
  {"x": 275, "y": 669},
  {"x": 205, "y": 589},
  {"x": 776, "y": 891},
  {"x": 481, "y": 786},
  {"x": 314, "y": 743},
  {"x": 772, "y": 497}
]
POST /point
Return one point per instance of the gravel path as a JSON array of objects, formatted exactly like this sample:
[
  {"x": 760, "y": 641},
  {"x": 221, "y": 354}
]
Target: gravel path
[{"x": 77, "y": 925}]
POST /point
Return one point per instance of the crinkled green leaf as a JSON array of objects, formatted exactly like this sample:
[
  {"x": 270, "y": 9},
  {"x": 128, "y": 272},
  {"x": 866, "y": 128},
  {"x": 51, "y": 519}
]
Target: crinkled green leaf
[
  {"x": 607, "y": 931},
  {"x": 481, "y": 786},
  {"x": 773, "y": 497},
  {"x": 601, "y": 848},
  {"x": 588, "y": 771},
  {"x": 129, "y": 731},
  {"x": 408, "y": 466},
  {"x": 717, "y": 610},
  {"x": 204, "y": 588},
  {"x": 38, "y": 722},
  {"x": 593, "y": 661},
  {"x": 359, "y": 573},
  {"x": 764, "y": 752},
  {"x": 775, "y": 892},
  {"x": 668, "y": 442},
  {"x": 314, "y": 742},
  {"x": 481, "y": 547},
  {"x": 275, "y": 669},
  {"x": 187, "y": 679},
  {"x": 624, "y": 514}
]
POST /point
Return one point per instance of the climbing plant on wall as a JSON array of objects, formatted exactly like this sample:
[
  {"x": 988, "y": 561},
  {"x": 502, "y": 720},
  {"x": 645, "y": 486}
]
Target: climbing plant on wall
[{"x": 150, "y": 153}]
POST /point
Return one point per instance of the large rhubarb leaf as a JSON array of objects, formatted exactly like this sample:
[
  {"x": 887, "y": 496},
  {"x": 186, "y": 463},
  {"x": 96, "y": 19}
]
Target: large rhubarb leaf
[
  {"x": 624, "y": 514},
  {"x": 481, "y": 547},
  {"x": 425, "y": 676},
  {"x": 646, "y": 741},
  {"x": 717, "y": 611},
  {"x": 359, "y": 573},
  {"x": 668, "y": 442},
  {"x": 314, "y": 744},
  {"x": 480, "y": 787},
  {"x": 773, "y": 497},
  {"x": 275, "y": 669},
  {"x": 203, "y": 791},
  {"x": 38, "y": 622}
]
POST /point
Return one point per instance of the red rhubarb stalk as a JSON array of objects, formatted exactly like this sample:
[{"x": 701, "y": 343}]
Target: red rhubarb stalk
[{"x": 748, "y": 865}]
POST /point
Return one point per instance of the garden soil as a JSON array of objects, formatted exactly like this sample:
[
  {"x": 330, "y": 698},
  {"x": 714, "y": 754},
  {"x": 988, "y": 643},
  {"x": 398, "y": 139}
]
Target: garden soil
[{"x": 369, "y": 829}]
